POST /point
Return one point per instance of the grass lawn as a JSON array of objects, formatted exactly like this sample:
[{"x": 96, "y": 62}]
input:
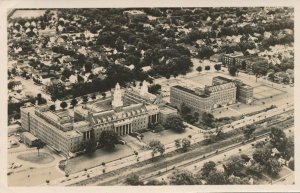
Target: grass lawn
[
  {"x": 167, "y": 136},
  {"x": 89, "y": 161},
  {"x": 43, "y": 158}
]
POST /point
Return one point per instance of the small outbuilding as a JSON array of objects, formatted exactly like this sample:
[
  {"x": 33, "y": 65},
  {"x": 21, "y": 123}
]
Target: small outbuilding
[{"x": 28, "y": 138}]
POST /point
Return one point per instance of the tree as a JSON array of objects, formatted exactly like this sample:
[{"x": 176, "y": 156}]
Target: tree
[
  {"x": 66, "y": 73},
  {"x": 90, "y": 146},
  {"x": 292, "y": 165},
  {"x": 85, "y": 99},
  {"x": 93, "y": 96},
  {"x": 40, "y": 99},
  {"x": 53, "y": 98},
  {"x": 182, "y": 177},
  {"x": 11, "y": 84},
  {"x": 186, "y": 143},
  {"x": 273, "y": 166},
  {"x": 259, "y": 69},
  {"x": 205, "y": 52},
  {"x": 271, "y": 76},
  {"x": 232, "y": 70},
  {"x": 74, "y": 102},
  {"x": 255, "y": 169},
  {"x": 237, "y": 180},
  {"x": 177, "y": 143},
  {"x": 39, "y": 145},
  {"x": 133, "y": 180},
  {"x": 52, "y": 108},
  {"x": 174, "y": 123},
  {"x": 262, "y": 155},
  {"x": 289, "y": 150},
  {"x": 57, "y": 89},
  {"x": 88, "y": 67},
  {"x": 156, "y": 147},
  {"x": 278, "y": 139},
  {"x": 103, "y": 94},
  {"x": 234, "y": 165},
  {"x": 63, "y": 105},
  {"x": 207, "y": 168},
  {"x": 248, "y": 131},
  {"x": 184, "y": 110},
  {"x": 217, "y": 67},
  {"x": 207, "y": 68},
  {"x": 216, "y": 178},
  {"x": 199, "y": 68},
  {"x": 108, "y": 139},
  {"x": 14, "y": 71},
  {"x": 154, "y": 89},
  {"x": 208, "y": 119},
  {"x": 158, "y": 127}
]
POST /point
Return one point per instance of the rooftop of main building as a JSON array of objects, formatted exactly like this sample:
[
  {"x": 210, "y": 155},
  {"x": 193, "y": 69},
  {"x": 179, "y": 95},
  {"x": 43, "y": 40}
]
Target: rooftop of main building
[
  {"x": 190, "y": 91},
  {"x": 223, "y": 78}
]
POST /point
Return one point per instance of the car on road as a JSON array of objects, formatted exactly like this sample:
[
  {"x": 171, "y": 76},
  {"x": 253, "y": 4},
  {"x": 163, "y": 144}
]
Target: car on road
[{"x": 122, "y": 142}]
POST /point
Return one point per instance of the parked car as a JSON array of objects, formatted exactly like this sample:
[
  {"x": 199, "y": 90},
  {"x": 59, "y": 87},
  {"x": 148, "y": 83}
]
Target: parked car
[{"x": 122, "y": 142}]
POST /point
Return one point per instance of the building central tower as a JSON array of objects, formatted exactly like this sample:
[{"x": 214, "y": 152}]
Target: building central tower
[
  {"x": 144, "y": 88},
  {"x": 117, "y": 102}
]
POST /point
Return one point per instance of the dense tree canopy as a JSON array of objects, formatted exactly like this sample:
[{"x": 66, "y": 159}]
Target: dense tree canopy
[
  {"x": 108, "y": 139},
  {"x": 183, "y": 177},
  {"x": 174, "y": 123}
]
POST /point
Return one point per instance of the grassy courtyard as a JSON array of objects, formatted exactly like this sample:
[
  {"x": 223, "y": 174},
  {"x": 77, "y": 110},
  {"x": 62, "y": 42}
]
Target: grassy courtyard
[
  {"x": 33, "y": 157},
  {"x": 79, "y": 163},
  {"x": 167, "y": 136}
]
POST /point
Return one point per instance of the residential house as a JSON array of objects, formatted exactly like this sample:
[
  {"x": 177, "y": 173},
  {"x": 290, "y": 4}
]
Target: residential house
[
  {"x": 43, "y": 77},
  {"x": 281, "y": 77},
  {"x": 73, "y": 79},
  {"x": 17, "y": 86},
  {"x": 290, "y": 74},
  {"x": 216, "y": 57}
]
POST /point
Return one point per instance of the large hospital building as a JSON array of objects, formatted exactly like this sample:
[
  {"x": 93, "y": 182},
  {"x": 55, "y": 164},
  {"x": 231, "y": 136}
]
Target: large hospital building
[
  {"x": 125, "y": 112},
  {"x": 223, "y": 91}
]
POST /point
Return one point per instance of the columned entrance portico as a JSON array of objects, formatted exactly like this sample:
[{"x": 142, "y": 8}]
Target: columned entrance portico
[
  {"x": 87, "y": 135},
  {"x": 123, "y": 129},
  {"x": 153, "y": 118}
]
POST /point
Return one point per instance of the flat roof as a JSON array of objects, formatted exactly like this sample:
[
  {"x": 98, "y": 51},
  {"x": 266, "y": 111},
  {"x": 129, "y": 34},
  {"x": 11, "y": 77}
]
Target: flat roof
[
  {"x": 234, "y": 54},
  {"x": 190, "y": 91},
  {"x": 72, "y": 134},
  {"x": 29, "y": 136},
  {"x": 166, "y": 109},
  {"x": 223, "y": 78},
  {"x": 80, "y": 123},
  {"x": 51, "y": 115}
]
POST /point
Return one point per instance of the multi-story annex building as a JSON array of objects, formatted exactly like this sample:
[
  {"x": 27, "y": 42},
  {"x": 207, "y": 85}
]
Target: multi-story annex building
[
  {"x": 223, "y": 91},
  {"x": 122, "y": 113}
]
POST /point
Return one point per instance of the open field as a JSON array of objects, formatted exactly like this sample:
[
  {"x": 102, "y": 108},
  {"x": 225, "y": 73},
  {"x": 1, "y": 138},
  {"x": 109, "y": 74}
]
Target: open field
[
  {"x": 264, "y": 91},
  {"x": 34, "y": 170},
  {"x": 167, "y": 136},
  {"x": 88, "y": 161},
  {"x": 42, "y": 158}
]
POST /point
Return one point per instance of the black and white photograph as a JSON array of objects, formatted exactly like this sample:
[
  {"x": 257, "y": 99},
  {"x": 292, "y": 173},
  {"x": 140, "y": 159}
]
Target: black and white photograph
[{"x": 149, "y": 96}]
